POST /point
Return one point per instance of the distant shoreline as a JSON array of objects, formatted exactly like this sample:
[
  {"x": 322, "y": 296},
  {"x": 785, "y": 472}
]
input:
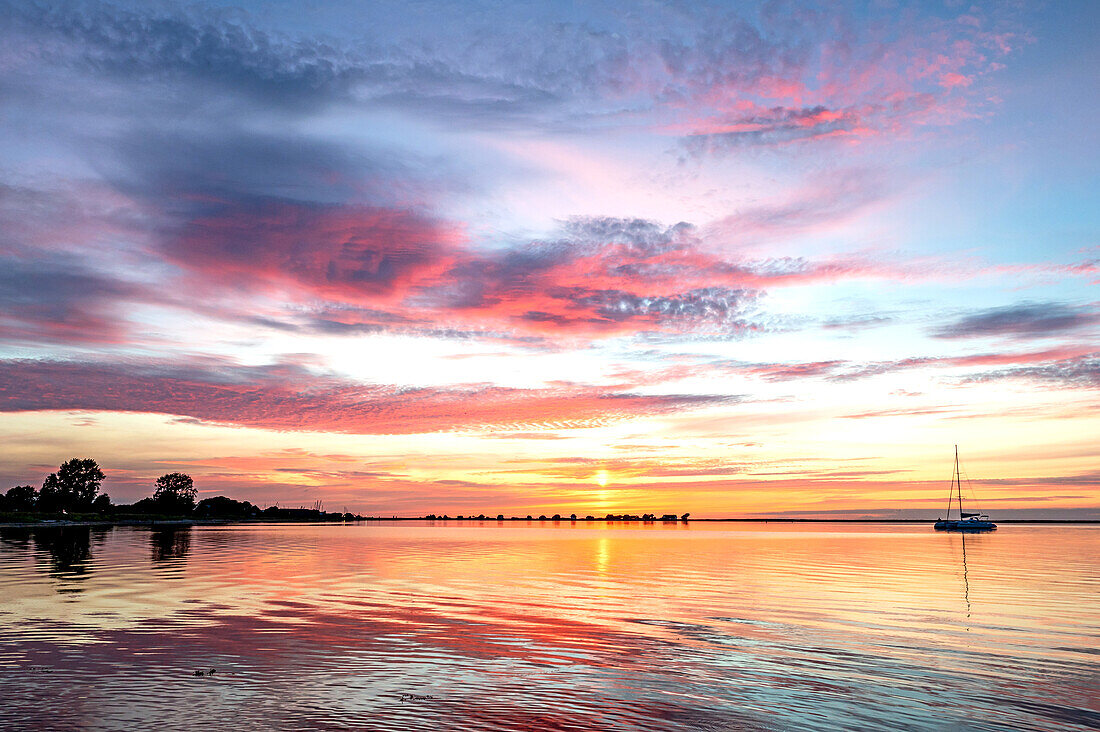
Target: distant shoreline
[
  {"x": 720, "y": 520},
  {"x": 180, "y": 523}
]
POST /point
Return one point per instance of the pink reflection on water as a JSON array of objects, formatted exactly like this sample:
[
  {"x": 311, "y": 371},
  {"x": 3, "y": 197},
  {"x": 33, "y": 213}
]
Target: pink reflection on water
[{"x": 576, "y": 626}]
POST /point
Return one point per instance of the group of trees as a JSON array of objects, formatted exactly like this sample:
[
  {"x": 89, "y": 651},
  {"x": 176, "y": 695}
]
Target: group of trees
[
  {"x": 223, "y": 507},
  {"x": 74, "y": 488},
  {"x": 174, "y": 496}
]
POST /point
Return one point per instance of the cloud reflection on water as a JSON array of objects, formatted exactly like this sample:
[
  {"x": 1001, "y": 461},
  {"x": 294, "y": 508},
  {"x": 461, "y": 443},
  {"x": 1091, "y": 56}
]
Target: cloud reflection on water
[{"x": 717, "y": 627}]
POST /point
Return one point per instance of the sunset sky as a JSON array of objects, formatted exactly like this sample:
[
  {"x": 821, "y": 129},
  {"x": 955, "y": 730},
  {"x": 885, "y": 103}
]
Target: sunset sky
[{"x": 502, "y": 257}]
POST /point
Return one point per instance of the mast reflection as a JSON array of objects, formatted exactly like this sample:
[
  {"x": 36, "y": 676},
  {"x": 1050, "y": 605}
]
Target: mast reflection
[{"x": 966, "y": 577}]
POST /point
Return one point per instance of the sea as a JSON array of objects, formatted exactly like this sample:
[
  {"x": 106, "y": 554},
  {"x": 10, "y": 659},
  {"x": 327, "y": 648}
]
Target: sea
[{"x": 447, "y": 625}]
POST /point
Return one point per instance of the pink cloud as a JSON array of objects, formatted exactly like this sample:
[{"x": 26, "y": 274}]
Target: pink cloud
[
  {"x": 868, "y": 81},
  {"x": 953, "y": 79},
  {"x": 288, "y": 398},
  {"x": 352, "y": 253}
]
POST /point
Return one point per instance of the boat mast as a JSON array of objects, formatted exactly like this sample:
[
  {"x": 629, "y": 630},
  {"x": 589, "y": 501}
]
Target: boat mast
[{"x": 958, "y": 477}]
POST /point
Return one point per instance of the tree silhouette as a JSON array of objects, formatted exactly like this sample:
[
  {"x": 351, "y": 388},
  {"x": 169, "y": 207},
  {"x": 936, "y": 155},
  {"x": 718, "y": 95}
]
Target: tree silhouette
[
  {"x": 72, "y": 488},
  {"x": 222, "y": 507},
  {"x": 102, "y": 503},
  {"x": 175, "y": 493},
  {"x": 21, "y": 498}
]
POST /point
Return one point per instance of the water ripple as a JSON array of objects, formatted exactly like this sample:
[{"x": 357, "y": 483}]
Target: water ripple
[{"x": 419, "y": 626}]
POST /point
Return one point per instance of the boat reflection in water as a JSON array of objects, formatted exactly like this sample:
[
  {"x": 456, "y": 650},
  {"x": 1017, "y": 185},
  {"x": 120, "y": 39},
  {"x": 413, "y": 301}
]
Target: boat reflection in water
[{"x": 973, "y": 521}]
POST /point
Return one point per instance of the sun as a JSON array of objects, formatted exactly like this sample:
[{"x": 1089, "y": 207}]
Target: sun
[{"x": 601, "y": 478}]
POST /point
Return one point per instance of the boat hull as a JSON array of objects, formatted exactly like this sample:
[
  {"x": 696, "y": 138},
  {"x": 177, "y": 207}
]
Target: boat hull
[{"x": 965, "y": 526}]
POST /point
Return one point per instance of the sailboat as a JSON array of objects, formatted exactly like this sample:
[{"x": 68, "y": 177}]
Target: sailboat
[{"x": 966, "y": 521}]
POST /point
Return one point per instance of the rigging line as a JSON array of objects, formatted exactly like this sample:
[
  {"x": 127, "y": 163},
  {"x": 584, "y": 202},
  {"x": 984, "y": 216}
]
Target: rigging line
[
  {"x": 950, "y": 493},
  {"x": 973, "y": 495},
  {"x": 959, "y": 477}
]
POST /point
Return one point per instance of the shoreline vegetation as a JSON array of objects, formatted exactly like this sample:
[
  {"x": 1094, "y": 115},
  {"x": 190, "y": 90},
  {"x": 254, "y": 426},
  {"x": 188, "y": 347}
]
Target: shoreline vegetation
[
  {"x": 7, "y": 521},
  {"x": 71, "y": 497}
]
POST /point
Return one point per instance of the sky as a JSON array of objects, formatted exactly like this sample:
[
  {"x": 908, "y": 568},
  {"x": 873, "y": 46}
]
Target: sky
[{"x": 732, "y": 259}]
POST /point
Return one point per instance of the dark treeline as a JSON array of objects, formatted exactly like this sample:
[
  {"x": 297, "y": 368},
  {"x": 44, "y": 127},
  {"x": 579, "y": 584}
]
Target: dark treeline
[{"x": 73, "y": 492}]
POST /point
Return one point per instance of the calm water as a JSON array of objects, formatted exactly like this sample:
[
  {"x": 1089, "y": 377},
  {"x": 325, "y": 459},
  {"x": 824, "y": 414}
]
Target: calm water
[{"x": 506, "y": 627}]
